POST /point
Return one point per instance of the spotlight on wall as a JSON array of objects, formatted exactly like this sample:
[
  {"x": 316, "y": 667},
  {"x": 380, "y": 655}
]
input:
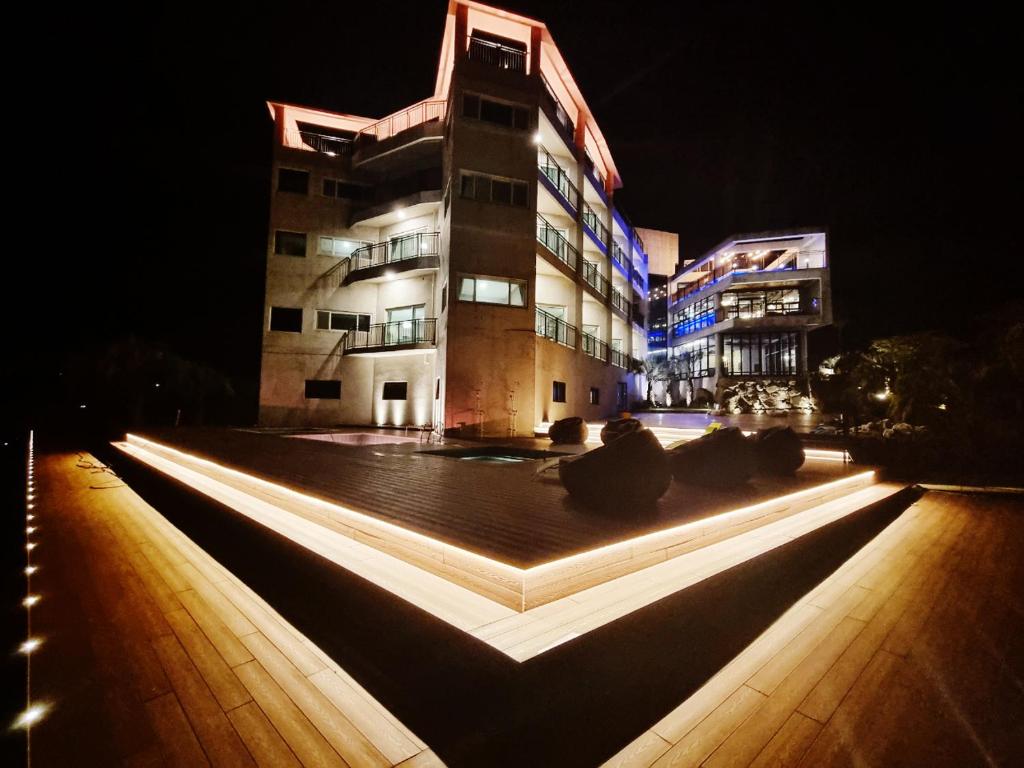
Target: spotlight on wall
[
  {"x": 389, "y": 275},
  {"x": 30, "y": 600},
  {"x": 29, "y": 645},
  {"x": 401, "y": 215},
  {"x": 537, "y": 138},
  {"x": 31, "y": 716}
]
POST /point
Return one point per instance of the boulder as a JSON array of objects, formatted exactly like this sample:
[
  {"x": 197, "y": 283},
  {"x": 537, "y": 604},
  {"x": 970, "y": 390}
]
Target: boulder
[
  {"x": 720, "y": 458},
  {"x": 626, "y": 473},
  {"x": 778, "y": 451},
  {"x": 616, "y": 428},
  {"x": 572, "y": 430},
  {"x": 702, "y": 398}
]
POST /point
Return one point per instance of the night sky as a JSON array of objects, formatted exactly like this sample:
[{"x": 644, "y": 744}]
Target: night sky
[{"x": 897, "y": 132}]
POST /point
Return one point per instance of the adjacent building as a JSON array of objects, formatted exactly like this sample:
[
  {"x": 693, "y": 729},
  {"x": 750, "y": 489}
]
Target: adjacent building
[
  {"x": 459, "y": 264},
  {"x": 663, "y": 253},
  {"x": 739, "y": 317}
]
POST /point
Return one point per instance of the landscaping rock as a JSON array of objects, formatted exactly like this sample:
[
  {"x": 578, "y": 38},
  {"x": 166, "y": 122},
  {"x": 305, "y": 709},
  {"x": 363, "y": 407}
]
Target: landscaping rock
[
  {"x": 616, "y": 428},
  {"x": 778, "y": 451},
  {"x": 572, "y": 430},
  {"x": 720, "y": 458},
  {"x": 625, "y": 473}
]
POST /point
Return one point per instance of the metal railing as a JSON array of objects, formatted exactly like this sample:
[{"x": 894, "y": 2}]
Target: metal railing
[
  {"x": 619, "y": 257},
  {"x": 555, "y": 328},
  {"x": 593, "y": 221},
  {"x": 323, "y": 143},
  {"x": 792, "y": 263},
  {"x": 619, "y": 359},
  {"x": 619, "y": 301},
  {"x": 592, "y": 275},
  {"x": 497, "y": 55},
  {"x": 754, "y": 308},
  {"x": 591, "y": 167},
  {"x": 559, "y": 178},
  {"x": 384, "y": 335},
  {"x": 594, "y": 347},
  {"x": 426, "y": 111},
  {"x": 555, "y": 242},
  {"x": 638, "y": 280},
  {"x": 395, "y": 249}
]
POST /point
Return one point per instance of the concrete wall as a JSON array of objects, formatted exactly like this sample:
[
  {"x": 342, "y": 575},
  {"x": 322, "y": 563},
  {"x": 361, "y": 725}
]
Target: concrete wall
[{"x": 580, "y": 372}]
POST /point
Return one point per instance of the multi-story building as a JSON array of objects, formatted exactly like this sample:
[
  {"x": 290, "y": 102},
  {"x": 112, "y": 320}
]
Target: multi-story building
[
  {"x": 461, "y": 263},
  {"x": 742, "y": 311},
  {"x": 663, "y": 253}
]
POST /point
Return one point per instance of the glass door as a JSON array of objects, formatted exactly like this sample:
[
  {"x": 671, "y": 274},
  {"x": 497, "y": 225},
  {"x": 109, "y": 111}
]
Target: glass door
[{"x": 405, "y": 324}]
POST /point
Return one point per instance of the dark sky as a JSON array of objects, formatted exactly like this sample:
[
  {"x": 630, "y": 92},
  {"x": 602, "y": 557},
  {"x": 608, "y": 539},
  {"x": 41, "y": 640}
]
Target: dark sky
[{"x": 898, "y": 132}]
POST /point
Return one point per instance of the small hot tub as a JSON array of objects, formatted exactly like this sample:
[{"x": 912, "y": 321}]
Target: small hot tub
[
  {"x": 498, "y": 454},
  {"x": 357, "y": 438}
]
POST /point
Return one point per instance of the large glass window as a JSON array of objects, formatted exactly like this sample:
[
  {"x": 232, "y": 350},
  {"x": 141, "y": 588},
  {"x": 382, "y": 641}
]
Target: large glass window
[
  {"x": 494, "y": 189},
  {"x": 761, "y": 354},
  {"x": 493, "y": 290},
  {"x": 751, "y": 304},
  {"x": 338, "y": 246},
  {"x": 328, "y": 320},
  {"x": 701, "y": 356},
  {"x": 289, "y": 243},
  {"x": 291, "y": 180},
  {"x": 700, "y": 314},
  {"x": 496, "y": 112}
]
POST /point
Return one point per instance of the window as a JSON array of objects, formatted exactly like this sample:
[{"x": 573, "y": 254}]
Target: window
[
  {"x": 493, "y": 290},
  {"x": 338, "y": 246},
  {"x": 496, "y": 112},
  {"x": 395, "y": 390},
  {"x": 291, "y": 180},
  {"x": 595, "y": 396},
  {"x": 289, "y": 243},
  {"x": 621, "y": 395},
  {"x": 495, "y": 189},
  {"x": 323, "y": 389},
  {"x": 558, "y": 391},
  {"x": 760, "y": 354},
  {"x": 700, "y": 356},
  {"x": 344, "y": 190},
  {"x": 444, "y": 297},
  {"x": 287, "y": 319},
  {"x": 328, "y": 320}
]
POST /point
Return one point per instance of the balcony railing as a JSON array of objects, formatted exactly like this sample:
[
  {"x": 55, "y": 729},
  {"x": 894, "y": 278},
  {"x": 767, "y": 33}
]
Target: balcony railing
[
  {"x": 693, "y": 324},
  {"x": 594, "y": 347},
  {"x": 800, "y": 260},
  {"x": 752, "y": 309},
  {"x": 592, "y": 275},
  {"x": 561, "y": 115},
  {"x": 497, "y": 55},
  {"x": 426, "y": 111},
  {"x": 396, "y": 249},
  {"x": 619, "y": 301},
  {"x": 619, "y": 359},
  {"x": 555, "y": 242},
  {"x": 619, "y": 257},
  {"x": 591, "y": 168},
  {"x": 556, "y": 329},
  {"x": 638, "y": 280},
  {"x": 559, "y": 178},
  {"x": 591, "y": 220},
  {"x": 401, "y": 333},
  {"x": 323, "y": 143}
]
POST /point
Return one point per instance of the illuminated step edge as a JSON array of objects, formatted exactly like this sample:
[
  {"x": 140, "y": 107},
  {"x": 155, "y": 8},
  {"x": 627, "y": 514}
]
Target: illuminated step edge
[
  {"x": 520, "y": 635},
  {"x": 517, "y": 588}
]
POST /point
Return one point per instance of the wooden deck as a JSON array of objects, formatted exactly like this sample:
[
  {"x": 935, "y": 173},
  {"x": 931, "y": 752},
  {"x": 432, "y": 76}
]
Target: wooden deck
[
  {"x": 501, "y": 512},
  {"x": 156, "y": 655},
  {"x": 910, "y": 654}
]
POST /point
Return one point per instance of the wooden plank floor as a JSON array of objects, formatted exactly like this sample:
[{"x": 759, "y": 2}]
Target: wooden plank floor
[
  {"x": 910, "y": 654},
  {"x": 155, "y": 655},
  {"x": 502, "y": 512}
]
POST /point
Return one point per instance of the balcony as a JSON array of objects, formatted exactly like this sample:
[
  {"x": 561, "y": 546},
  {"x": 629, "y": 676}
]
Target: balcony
[
  {"x": 392, "y": 337},
  {"x": 620, "y": 258},
  {"x": 597, "y": 230},
  {"x": 595, "y": 348},
  {"x": 325, "y": 144},
  {"x": 556, "y": 329},
  {"x": 751, "y": 309},
  {"x": 496, "y": 54},
  {"x": 562, "y": 119},
  {"x": 420, "y": 250},
  {"x": 559, "y": 179},
  {"x": 400, "y": 138},
  {"x": 790, "y": 263},
  {"x": 591, "y": 168},
  {"x": 555, "y": 242},
  {"x": 619, "y": 302},
  {"x": 593, "y": 277},
  {"x": 618, "y": 359}
]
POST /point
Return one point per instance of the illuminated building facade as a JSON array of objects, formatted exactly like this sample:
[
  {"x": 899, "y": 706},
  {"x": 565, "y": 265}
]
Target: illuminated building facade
[
  {"x": 744, "y": 309},
  {"x": 460, "y": 263}
]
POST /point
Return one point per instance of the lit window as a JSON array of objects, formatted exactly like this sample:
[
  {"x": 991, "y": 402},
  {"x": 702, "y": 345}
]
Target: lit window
[
  {"x": 595, "y": 396},
  {"x": 488, "y": 290},
  {"x": 328, "y": 320},
  {"x": 338, "y": 246}
]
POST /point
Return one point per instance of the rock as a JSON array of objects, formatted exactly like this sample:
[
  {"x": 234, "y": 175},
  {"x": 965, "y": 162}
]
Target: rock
[
  {"x": 778, "y": 451},
  {"x": 703, "y": 398},
  {"x": 902, "y": 429},
  {"x": 627, "y": 472},
  {"x": 616, "y": 428},
  {"x": 569, "y": 431},
  {"x": 720, "y": 458}
]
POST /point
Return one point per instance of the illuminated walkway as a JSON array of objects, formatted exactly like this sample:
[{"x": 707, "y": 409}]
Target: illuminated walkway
[
  {"x": 153, "y": 654},
  {"x": 910, "y": 654}
]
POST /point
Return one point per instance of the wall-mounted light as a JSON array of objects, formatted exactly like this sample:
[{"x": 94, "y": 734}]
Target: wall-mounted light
[
  {"x": 30, "y": 600},
  {"x": 29, "y": 645},
  {"x": 31, "y": 716}
]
